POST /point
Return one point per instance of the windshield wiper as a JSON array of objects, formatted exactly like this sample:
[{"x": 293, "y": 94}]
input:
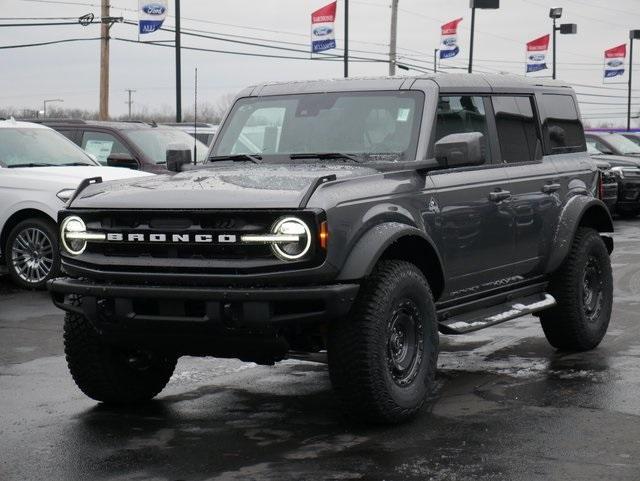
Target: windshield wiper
[
  {"x": 31, "y": 164},
  {"x": 327, "y": 156},
  {"x": 237, "y": 158},
  {"x": 73, "y": 164}
]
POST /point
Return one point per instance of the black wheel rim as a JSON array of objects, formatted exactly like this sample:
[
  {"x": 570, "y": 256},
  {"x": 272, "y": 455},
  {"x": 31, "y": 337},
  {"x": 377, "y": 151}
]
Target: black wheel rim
[
  {"x": 405, "y": 343},
  {"x": 32, "y": 255},
  {"x": 592, "y": 289}
]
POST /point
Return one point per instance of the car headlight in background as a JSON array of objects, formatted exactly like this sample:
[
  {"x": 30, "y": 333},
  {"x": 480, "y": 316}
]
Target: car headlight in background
[
  {"x": 292, "y": 226},
  {"x": 65, "y": 194},
  {"x": 618, "y": 172}
]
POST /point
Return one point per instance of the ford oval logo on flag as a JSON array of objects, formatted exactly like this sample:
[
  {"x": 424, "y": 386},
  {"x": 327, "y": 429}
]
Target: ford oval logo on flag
[
  {"x": 154, "y": 9},
  {"x": 449, "y": 42},
  {"x": 320, "y": 31},
  {"x": 537, "y": 57},
  {"x": 615, "y": 63}
]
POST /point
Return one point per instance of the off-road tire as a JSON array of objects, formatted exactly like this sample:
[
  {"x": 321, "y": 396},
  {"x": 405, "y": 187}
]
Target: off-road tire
[
  {"x": 103, "y": 372},
  {"x": 571, "y": 325},
  {"x": 49, "y": 230},
  {"x": 360, "y": 346}
]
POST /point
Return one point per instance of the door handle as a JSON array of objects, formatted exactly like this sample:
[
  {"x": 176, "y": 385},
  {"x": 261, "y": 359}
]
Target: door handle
[
  {"x": 550, "y": 188},
  {"x": 499, "y": 195}
]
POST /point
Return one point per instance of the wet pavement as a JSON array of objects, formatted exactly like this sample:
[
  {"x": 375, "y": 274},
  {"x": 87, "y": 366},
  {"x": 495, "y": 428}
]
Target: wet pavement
[{"x": 506, "y": 407}]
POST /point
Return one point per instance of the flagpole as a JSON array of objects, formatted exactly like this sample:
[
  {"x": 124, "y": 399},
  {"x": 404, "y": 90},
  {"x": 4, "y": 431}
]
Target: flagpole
[
  {"x": 630, "y": 81},
  {"x": 346, "y": 38}
]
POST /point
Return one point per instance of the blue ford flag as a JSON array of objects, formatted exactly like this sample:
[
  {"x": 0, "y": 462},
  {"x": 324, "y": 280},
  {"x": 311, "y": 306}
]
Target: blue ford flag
[
  {"x": 151, "y": 15},
  {"x": 614, "y": 62},
  {"x": 449, "y": 42},
  {"x": 323, "y": 35}
]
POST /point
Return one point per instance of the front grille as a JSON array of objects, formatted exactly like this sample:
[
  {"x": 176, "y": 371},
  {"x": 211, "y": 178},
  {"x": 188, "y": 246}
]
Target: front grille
[{"x": 185, "y": 256}]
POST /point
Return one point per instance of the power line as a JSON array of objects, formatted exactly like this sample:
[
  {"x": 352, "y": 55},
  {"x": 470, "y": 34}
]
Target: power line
[{"x": 53, "y": 42}]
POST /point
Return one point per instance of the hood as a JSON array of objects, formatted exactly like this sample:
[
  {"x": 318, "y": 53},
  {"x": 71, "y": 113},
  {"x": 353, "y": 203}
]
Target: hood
[
  {"x": 264, "y": 186},
  {"x": 618, "y": 160},
  {"x": 73, "y": 175}
]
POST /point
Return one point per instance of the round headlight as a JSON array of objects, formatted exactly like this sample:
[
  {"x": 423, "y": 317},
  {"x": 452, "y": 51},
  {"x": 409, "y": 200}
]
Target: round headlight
[
  {"x": 292, "y": 250},
  {"x": 73, "y": 225}
]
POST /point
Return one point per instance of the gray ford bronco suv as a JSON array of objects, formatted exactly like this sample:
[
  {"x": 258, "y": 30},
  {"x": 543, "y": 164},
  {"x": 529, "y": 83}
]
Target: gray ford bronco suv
[{"x": 352, "y": 220}]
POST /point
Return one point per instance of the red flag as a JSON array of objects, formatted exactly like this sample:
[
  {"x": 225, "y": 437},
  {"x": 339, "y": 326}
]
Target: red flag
[{"x": 325, "y": 14}]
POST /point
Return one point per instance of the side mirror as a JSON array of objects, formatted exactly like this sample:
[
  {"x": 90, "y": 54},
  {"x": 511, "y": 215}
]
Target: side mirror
[
  {"x": 458, "y": 150},
  {"x": 177, "y": 158},
  {"x": 123, "y": 160}
]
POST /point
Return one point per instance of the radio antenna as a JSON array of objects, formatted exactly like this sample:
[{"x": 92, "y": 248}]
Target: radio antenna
[{"x": 195, "y": 120}]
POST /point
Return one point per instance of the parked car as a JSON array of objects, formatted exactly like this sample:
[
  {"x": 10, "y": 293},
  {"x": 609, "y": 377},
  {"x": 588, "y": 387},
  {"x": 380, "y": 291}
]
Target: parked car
[
  {"x": 372, "y": 214},
  {"x": 202, "y": 131},
  {"x": 135, "y": 145},
  {"x": 632, "y": 136},
  {"x": 627, "y": 172},
  {"x": 613, "y": 143},
  {"x": 39, "y": 172},
  {"x": 607, "y": 190}
]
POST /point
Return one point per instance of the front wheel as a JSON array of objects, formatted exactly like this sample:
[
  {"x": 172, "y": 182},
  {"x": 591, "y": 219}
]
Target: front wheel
[
  {"x": 31, "y": 253},
  {"x": 110, "y": 374},
  {"x": 382, "y": 359},
  {"x": 583, "y": 289}
]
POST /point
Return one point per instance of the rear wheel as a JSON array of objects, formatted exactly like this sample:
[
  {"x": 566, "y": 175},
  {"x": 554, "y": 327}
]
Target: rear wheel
[
  {"x": 31, "y": 253},
  {"x": 382, "y": 360},
  {"x": 110, "y": 374},
  {"x": 583, "y": 288}
]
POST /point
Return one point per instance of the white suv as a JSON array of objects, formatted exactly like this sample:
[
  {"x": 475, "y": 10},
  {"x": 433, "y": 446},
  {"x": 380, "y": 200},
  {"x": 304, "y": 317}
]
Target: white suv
[{"x": 40, "y": 170}]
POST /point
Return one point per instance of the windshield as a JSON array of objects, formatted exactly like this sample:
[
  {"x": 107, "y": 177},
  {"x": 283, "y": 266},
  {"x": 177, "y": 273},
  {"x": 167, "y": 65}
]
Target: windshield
[
  {"x": 155, "y": 142},
  {"x": 375, "y": 125},
  {"x": 34, "y": 147},
  {"x": 633, "y": 138},
  {"x": 592, "y": 147},
  {"x": 622, "y": 145}
]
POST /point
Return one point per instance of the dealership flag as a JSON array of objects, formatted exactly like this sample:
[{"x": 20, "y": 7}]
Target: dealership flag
[
  {"x": 537, "y": 54},
  {"x": 151, "y": 15},
  {"x": 322, "y": 28},
  {"x": 449, "y": 42},
  {"x": 614, "y": 61}
]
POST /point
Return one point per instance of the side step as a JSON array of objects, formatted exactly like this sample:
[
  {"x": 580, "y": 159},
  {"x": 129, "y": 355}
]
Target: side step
[{"x": 490, "y": 316}]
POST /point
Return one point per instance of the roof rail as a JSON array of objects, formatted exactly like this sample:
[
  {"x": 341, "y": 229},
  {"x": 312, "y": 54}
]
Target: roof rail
[{"x": 53, "y": 121}]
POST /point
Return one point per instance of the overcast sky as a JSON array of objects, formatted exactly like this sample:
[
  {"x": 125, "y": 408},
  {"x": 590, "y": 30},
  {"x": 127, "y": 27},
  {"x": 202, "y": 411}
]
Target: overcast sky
[{"x": 70, "y": 71}]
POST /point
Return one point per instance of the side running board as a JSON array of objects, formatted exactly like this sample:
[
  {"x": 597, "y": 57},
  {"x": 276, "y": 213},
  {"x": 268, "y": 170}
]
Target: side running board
[{"x": 490, "y": 316}]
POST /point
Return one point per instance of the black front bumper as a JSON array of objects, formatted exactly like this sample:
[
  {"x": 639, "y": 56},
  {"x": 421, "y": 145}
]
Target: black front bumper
[{"x": 230, "y": 306}]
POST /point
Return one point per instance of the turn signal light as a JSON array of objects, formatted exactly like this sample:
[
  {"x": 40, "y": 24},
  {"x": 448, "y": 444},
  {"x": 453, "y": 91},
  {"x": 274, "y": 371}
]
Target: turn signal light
[{"x": 324, "y": 235}]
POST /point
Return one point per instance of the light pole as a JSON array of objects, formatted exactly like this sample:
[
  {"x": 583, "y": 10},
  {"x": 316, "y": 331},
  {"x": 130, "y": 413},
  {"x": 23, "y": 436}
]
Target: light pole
[
  {"x": 44, "y": 106},
  {"x": 485, "y": 5},
  {"x": 435, "y": 60},
  {"x": 633, "y": 35},
  {"x": 563, "y": 28},
  {"x": 346, "y": 38}
]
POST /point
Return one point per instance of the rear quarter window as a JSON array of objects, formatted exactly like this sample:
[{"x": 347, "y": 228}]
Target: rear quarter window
[{"x": 562, "y": 128}]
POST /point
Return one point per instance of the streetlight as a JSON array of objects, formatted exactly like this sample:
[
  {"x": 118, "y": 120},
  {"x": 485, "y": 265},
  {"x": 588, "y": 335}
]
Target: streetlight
[
  {"x": 563, "y": 28},
  {"x": 633, "y": 35},
  {"x": 44, "y": 104},
  {"x": 483, "y": 4}
]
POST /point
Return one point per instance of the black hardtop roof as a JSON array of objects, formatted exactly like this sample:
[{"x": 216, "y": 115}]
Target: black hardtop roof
[{"x": 445, "y": 82}]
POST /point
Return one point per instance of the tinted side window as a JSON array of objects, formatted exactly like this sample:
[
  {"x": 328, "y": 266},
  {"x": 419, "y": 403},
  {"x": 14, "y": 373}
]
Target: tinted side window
[
  {"x": 517, "y": 129},
  {"x": 102, "y": 145},
  {"x": 461, "y": 114},
  {"x": 562, "y": 128},
  {"x": 70, "y": 134}
]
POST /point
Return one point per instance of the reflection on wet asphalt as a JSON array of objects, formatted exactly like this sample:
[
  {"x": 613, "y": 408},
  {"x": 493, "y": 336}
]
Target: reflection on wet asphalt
[{"x": 507, "y": 407}]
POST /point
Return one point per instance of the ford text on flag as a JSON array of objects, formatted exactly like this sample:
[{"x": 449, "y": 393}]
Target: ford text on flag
[
  {"x": 151, "y": 15},
  {"x": 323, "y": 35},
  {"x": 537, "y": 54},
  {"x": 614, "y": 61},
  {"x": 449, "y": 42}
]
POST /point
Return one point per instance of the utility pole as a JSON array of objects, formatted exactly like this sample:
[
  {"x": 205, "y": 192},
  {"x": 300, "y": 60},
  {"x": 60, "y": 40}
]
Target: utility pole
[
  {"x": 129, "y": 102},
  {"x": 346, "y": 38},
  {"x": 178, "y": 66},
  {"x": 104, "y": 60},
  {"x": 633, "y": 35},
  {"x": 394, "y": 38}
]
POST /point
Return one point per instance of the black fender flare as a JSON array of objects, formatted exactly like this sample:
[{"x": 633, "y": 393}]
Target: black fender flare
[
  {"x": 581, "y": 210},
  {"x": 368, "y": 250}
]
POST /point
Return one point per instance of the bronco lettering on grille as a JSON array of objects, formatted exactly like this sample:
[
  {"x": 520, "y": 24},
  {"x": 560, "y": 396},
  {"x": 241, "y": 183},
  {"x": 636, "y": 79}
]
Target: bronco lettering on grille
[{"x": 173, "y": 238}]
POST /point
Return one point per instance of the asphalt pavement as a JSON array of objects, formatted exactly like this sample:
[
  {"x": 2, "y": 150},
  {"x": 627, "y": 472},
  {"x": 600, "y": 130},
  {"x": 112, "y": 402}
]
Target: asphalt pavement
[{"x": 506, "y": 406}]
